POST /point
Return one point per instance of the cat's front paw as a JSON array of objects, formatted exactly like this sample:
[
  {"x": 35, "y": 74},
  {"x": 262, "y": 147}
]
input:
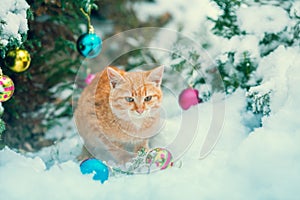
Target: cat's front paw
[
  {"x": 85, "y": 154},
  {"x": 144, "y": 147}
]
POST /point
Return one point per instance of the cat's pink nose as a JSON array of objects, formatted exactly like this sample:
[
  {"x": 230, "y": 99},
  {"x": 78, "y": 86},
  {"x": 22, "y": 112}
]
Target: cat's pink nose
[{"x": 140, "y": 110}]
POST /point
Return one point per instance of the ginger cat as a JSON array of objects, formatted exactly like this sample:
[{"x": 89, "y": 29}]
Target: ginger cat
[{"x": 119, "y": 111}]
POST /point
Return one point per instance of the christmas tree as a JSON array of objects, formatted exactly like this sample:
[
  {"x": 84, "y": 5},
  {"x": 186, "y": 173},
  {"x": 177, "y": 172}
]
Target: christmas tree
[
  {"x": 237, "y": 64},
  {"x": 48, "y": 30}
]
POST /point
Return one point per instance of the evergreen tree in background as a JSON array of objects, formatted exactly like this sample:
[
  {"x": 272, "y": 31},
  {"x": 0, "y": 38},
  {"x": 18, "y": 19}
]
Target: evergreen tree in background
[
  {"x": 226, "y": 25},
  {"x": 37, "y": 102},
  {"x": 43, "y": 93},
  {"x": 239, "y": 71}
]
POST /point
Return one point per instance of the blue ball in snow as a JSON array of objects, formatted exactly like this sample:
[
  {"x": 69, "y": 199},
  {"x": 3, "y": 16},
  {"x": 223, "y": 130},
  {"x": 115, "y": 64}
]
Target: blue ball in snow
[{"x": 92, "y": 165}]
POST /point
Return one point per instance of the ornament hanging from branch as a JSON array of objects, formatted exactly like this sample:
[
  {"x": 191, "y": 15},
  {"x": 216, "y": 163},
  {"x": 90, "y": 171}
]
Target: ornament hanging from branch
[
  {"x": 17, "y": 60},
  {"x": 7, "y": 87},
  {"x": 89, "y": 44}
]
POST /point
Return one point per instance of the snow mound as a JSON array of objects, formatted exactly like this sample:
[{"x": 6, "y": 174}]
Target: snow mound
[{"x": 262, "y": 19}]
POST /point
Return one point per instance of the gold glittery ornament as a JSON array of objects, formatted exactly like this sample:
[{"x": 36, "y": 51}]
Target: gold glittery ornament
[{"x": 18, "y": 60}]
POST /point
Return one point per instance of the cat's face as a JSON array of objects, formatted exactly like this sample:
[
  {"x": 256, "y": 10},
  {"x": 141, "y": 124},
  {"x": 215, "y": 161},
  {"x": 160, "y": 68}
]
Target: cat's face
[{"x": 135, "y": 95}]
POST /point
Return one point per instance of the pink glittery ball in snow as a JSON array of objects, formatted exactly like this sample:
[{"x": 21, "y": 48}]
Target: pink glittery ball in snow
[
  {"x": 89, "y": 78},
  {"x": 188, "y": 98}
]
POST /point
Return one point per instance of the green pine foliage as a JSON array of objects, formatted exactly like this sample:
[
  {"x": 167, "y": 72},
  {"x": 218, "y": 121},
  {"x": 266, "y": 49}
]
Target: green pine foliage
[
  {"x": 43, "y": 93},
  {"x": 2, "y": 126},
  {"x": 288, "y": 37},
  {"x": 237, "y": 75},
  {"x": 2, "y": 123},
  {"x": 238, "y": 71},
  {"x": 13, "y": 43},
  {"x": 194, "y": 79},
  {"x": 226, "y": 25},
  {"x": 240, "y": 75},
  {"x": 259, "y": 103}
]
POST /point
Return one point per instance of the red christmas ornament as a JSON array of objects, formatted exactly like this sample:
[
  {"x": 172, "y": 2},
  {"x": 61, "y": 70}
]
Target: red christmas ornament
[{"x": 188, "y": 98}]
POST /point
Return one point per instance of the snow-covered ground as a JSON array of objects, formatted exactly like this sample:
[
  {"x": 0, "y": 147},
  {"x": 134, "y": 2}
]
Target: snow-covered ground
[{"x": 248, "y": 162}]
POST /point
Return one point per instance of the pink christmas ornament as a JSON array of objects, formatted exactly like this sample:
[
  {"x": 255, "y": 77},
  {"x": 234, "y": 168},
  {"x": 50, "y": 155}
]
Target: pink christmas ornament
[
  {"x": 89, "y": 78},
  {"x": 160, "y": 157},
  {"x": 188, "y": 98}
]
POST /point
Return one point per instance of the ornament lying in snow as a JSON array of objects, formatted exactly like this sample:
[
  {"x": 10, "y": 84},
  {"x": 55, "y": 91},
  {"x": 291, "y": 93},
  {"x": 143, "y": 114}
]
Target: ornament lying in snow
[
  {"x": 160, "y": 157},
  {"x": 144, "y": 163},
  {"x": 95, "y": 166},
  {"x": 189, "y": 97}
]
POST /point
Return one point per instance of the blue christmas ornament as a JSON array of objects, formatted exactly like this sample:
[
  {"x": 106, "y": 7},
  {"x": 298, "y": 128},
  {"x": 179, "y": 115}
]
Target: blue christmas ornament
[
  {"x": 89, "y": 45},
  {"x": 95, "y": 166}
]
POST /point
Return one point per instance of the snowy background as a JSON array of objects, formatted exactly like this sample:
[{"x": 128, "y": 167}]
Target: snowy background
[{"x": 248, "y": 162}]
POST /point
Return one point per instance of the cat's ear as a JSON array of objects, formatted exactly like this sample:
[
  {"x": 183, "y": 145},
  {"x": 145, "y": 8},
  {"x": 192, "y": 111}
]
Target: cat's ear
[
  {"x": 114, "y": 77},
  {"x": 156, "y": 75}
]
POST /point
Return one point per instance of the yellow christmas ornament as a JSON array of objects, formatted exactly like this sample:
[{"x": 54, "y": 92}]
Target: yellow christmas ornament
[{"x": 18, "y": 60}]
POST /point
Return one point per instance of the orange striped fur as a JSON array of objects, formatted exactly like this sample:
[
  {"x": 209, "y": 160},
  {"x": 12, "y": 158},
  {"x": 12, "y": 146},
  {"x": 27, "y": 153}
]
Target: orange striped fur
[{"x": 119, "y": 111}]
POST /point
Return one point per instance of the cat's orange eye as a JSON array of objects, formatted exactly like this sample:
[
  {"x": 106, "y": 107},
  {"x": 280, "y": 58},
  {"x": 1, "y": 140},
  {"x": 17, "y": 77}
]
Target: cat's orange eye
[
  {"x": 148, "y": 98},
  {"x": 129, "y": 99}
]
